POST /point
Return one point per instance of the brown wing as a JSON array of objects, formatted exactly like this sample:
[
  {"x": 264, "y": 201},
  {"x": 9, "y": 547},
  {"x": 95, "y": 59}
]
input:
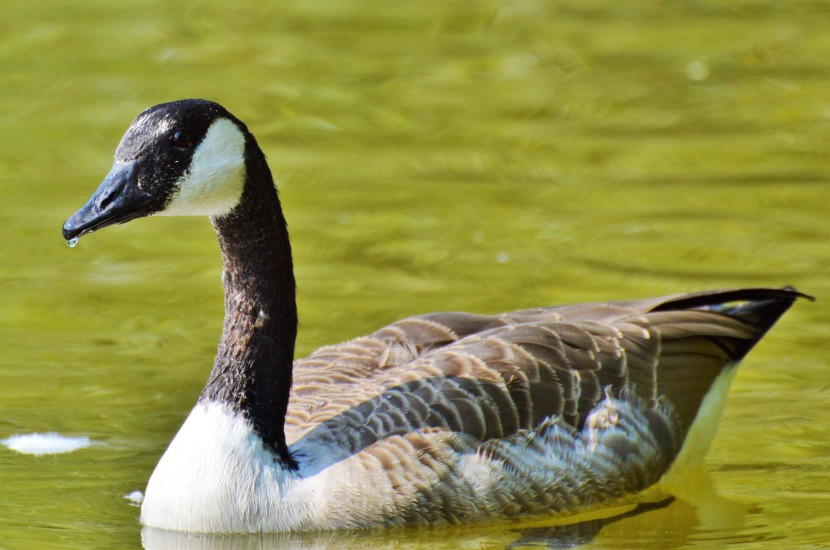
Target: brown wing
[{"x": 490, "y": 376}]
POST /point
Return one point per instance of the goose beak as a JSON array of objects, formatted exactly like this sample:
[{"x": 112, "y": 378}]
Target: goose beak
[{"x": 118, "y": 199}]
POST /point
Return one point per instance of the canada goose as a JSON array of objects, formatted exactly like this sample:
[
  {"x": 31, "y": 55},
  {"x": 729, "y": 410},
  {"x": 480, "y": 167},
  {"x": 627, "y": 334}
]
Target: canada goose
[{"x": 445, "y": 417}]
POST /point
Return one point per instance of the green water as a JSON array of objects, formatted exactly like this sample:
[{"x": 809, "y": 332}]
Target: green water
[{"x": 432, "y": 155}]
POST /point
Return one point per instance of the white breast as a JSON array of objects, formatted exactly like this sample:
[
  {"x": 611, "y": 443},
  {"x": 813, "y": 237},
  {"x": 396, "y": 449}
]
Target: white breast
[{"x": 216, "y": 476}]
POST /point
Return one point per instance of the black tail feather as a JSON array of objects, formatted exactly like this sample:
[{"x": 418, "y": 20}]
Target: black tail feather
[{"x": 759, "y": 307}]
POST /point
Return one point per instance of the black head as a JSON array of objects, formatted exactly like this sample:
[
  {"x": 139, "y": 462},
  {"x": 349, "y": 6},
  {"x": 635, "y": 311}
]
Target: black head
[{"x": 181, "y": 158}]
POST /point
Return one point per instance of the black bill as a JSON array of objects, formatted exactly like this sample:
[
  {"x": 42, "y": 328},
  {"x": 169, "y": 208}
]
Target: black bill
[{"x": 118, "y": 199}]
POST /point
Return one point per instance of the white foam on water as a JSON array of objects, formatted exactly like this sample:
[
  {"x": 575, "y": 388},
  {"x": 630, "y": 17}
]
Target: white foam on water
[
  {"x": 135, "y": 498},
  {"x": 45, "y": 444}
]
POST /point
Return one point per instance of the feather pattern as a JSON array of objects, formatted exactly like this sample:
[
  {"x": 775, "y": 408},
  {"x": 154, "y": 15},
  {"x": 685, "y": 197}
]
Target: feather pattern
[{"x": 549, "y": 409}]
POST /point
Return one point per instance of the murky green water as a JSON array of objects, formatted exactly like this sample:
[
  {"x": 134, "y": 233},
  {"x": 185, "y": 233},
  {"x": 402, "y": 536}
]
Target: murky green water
[{"x": 434, "y": 155}]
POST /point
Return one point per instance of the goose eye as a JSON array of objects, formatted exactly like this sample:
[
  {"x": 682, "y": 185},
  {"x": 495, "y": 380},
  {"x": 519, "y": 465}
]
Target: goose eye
[{"x": 181, "y": 139}]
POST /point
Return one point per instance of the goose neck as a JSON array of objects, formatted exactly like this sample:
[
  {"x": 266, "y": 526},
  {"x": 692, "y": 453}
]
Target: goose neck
[{"x": 252, "y": 371}]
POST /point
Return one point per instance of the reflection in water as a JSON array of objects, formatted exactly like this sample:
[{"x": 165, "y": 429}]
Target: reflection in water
[
  {"x": 714, "y": 513},
  {"x": 577, "y": 534},
  {"x": 690, "y": 515},
  {"x": 568, "y": 535},
  {"x": 158, "y": 539}
]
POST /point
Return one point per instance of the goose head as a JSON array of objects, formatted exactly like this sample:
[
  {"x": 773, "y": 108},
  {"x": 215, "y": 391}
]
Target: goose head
[
  {"x": 192, "y": 157},
  {"x": 181, "y": 158}
]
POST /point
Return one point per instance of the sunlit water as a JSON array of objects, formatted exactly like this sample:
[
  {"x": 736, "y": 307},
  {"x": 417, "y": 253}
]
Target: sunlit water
[{"x": 477, "y": 156}]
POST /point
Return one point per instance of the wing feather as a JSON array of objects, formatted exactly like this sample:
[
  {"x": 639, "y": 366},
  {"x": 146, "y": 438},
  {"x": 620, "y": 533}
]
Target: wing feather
[{"x": 491, "y": 376}]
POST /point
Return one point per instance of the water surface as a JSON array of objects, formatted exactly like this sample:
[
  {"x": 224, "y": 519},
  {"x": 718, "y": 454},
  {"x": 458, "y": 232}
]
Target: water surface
[{"x": 476, "y": 156}]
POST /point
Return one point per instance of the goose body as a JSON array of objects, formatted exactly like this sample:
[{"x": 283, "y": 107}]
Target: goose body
[{"x": 445, "y": 417}]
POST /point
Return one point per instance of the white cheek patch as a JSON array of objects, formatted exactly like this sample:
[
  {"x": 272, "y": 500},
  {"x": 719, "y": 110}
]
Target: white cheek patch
[{"x": 213, "y": 184}]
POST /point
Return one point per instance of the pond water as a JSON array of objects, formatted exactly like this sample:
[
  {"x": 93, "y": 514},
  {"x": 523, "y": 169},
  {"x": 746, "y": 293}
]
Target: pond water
[{"x": 477, "y": 156}]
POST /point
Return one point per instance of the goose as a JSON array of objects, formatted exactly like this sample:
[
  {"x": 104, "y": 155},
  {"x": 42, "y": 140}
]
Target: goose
[{"x": 438, "y": 418}]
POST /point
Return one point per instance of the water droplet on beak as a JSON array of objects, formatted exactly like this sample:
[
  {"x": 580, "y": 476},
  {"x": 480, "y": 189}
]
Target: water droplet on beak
[{"x": 72, "y": 242}]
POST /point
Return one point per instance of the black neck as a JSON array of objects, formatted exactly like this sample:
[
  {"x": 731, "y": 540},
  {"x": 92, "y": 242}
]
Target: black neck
[{"x": 252, "y": 372}]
